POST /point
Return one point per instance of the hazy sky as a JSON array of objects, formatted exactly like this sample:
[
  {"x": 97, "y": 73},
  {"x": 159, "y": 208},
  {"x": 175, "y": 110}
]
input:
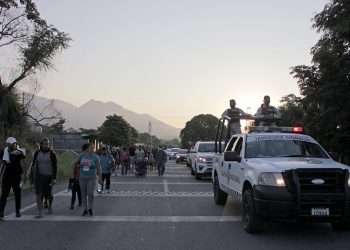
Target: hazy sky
[{"x": 176, "y": 59}]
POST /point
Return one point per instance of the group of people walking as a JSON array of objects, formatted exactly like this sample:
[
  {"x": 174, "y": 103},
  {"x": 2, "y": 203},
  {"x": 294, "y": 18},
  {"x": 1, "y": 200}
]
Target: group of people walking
[{"x": 90, "y": 168}]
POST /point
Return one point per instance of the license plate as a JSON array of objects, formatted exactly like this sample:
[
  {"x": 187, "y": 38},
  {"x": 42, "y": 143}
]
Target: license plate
[{"x": 320, "y": 212}]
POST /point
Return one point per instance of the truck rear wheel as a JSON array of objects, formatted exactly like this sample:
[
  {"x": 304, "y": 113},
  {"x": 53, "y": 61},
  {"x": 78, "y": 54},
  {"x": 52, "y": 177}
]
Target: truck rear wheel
[
  {"x": 252, "y": 222},
  {"x": 220, "y": 197}
]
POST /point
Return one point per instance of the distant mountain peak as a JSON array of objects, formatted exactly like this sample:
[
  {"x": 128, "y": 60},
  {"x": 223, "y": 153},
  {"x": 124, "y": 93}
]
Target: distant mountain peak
[{"x": 93, "y": 113}]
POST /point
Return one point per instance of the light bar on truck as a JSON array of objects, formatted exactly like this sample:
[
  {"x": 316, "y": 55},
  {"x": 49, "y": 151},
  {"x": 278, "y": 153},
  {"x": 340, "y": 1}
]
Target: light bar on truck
[{"x": 275, "y": 129}]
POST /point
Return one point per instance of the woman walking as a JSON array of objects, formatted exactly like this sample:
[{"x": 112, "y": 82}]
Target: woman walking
[
  {"x": 89, "y": 167},
  {"x": 125, "y": 161}
]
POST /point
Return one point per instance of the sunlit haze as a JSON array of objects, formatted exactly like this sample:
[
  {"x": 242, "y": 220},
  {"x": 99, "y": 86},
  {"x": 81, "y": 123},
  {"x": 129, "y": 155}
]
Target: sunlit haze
[{"x": 176, "y": 59}]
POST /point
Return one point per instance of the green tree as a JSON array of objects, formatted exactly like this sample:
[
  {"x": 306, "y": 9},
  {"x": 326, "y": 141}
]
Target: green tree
[
  {"x": 325, "y": 85},
  {"x": 291, "y": 109},
  {"x": 10, "y": 115},
  {"x": 116, "y": 131},
  {"x": 201, "y": 127},
  {"x": 33, "y": 43}
]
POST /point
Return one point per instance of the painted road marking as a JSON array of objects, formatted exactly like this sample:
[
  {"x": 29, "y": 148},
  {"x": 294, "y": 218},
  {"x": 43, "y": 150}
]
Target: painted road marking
[
  {"x": 172, "y": 219},
  {"x": 159, "y": 183},
  {"x": 147, "y": 194},
  {"x": 166, "y": 187},
  {"x": 33, "y": 205}
]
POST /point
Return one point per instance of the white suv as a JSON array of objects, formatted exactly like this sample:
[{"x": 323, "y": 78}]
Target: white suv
[
  {"x": 282, "y": 176},
  {"x": 202, "y": 158}
]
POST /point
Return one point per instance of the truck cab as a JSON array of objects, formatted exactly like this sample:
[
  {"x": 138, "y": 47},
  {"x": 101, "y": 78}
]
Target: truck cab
[{"x": 281, "y": 174}]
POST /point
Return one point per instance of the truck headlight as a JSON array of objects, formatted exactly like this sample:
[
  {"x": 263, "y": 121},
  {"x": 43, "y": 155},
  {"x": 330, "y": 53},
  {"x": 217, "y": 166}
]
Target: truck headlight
[
  {"x": 202, "y": 160},
  {"x": 349, "y": 181},
  {"x": 271, "y": 179}
]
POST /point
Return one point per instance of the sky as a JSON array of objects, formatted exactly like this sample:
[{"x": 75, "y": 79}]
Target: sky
[{"x": 177, "y": 59}]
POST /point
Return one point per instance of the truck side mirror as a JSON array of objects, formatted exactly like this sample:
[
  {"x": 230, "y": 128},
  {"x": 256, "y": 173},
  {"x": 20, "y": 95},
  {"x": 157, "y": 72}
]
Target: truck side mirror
[{"x": 232, "y": 156}]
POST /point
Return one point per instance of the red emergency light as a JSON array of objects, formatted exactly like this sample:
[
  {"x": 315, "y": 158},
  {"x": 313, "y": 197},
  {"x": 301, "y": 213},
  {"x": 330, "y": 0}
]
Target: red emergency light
[{"x": 298, "y": 130}]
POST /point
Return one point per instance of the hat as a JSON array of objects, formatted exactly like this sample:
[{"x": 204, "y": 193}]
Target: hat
[{"x": 11, "y": 140}]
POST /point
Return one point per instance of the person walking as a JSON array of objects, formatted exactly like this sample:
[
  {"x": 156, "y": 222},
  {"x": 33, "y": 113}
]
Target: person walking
[
  {"x": 132, "y": 151},
  {"x": 107, "y": 165},
  {"x": 125, "y": 161},
  {"x": 11, "y": 158},
  {"x": 140, "y": 156},
  {"x": 89, "y": 167},
  {"x": 75, "y": 187},
  {"x": 44, "y": 172},
  {"x": 161, "y": 159}
]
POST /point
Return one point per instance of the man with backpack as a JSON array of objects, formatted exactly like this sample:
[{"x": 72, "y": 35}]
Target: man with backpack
[{"x": 44, "y": 173}]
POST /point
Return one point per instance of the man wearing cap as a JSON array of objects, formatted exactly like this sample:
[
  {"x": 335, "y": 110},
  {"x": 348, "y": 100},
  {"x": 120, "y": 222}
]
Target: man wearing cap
[
  {"x": 234, "y": 116},
  {"x": 11, "y": 157}
]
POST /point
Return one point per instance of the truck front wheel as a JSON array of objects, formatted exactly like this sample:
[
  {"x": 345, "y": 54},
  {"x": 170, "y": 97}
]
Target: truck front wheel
[
  {"x": 252, "y": 223},
  {"x": 220, "y": 197}
]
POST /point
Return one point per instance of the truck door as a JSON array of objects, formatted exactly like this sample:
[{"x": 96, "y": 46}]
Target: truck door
[
  {"x": 224, "y": 166},
  {"x": 235, "y": 169}
]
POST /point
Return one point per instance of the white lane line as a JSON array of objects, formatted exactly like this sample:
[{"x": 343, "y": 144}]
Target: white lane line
[
  {"x": 33, "y": 205},
  {"x": 158, "y": 183},
  {"x": 149, "y": 194},
  {"x": 166, "y": 187},
  {"x": 172, "y": 219},
  {"x": 166, "y": 176}
]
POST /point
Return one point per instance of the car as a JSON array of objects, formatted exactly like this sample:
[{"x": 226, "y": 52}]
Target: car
[
  {"x": 171, "y": 152},
  {"x": 181, "y": 156},
  {"x": 282, "y": 174},
  {"x": 202, "y": 159}
]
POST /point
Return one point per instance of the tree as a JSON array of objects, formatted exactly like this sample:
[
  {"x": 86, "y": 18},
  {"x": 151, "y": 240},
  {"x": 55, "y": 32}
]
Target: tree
[
  {"x": 325, "y": 85},
  {"x": 201, "y": 127},
  {"x": 116, "y": 131},
  {"x": 36, "y": 42},
  {"x": 292, "y": 113},
  {"x": 33, "y": 44}
]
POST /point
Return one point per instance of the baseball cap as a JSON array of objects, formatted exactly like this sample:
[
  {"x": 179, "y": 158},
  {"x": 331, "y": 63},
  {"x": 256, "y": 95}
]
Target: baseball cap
[{"x": 11, "y": 140}]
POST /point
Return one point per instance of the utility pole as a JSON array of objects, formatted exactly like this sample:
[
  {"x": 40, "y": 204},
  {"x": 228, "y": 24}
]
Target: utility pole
[{"x": 150, "y": 134}]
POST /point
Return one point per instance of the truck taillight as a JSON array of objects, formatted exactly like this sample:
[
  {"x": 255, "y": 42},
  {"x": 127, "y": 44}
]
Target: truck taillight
[{"x": 298, "y": 130}]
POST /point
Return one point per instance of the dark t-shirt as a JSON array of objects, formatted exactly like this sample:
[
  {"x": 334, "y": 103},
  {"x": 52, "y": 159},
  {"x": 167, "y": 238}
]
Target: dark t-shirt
[
  {"x": 132, "y": 151},
  {"x": 14, "y": 167}
]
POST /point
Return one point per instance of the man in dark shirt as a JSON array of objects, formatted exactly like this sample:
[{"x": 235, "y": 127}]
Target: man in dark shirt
[
  {"x": 44, "y": 169},
  {"x": 11, "y": 158}
]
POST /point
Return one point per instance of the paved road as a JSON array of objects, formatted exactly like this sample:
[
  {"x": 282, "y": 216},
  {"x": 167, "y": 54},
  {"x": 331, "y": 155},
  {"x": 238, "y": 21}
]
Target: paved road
[{"x": 173, "y": 212}]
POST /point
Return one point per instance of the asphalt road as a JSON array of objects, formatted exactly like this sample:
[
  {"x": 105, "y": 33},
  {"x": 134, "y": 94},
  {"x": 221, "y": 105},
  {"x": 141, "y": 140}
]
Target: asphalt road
[{"x": 171, "y": 212}]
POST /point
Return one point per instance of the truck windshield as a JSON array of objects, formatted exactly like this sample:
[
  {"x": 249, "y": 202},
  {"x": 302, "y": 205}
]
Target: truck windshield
[
  {"x": 283, "y": 148},
  {"x": 206, "y": 147}
]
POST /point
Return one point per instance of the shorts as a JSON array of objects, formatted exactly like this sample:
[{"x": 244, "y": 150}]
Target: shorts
[{"x": 43, "y": 185}]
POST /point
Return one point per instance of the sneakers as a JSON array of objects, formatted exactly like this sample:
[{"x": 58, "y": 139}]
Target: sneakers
[
  {"x": 108, "y": 191},
  {"x": 18, "y": 215},
  {"x": 91, "y": 213},
  {"x": 85, "y": 213},
  {"x": 71, "y": 207}
]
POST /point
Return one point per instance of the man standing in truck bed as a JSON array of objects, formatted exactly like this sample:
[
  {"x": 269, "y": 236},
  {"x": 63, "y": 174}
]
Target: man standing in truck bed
[{"x": 234, "y": 116}]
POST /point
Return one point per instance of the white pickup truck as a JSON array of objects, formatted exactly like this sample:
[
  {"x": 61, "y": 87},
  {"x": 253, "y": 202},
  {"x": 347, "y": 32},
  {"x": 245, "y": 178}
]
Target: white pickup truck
[
  {"x": 202, "y": 158},
  {"x": 282, "y": 176}
]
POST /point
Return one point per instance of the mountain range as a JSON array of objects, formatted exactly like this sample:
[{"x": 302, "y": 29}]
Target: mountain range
[{"x": 93, "y": 113}]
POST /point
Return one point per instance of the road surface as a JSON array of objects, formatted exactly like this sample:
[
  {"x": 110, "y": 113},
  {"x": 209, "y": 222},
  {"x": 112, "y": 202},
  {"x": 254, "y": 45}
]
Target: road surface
[{"x": 171, "y": 212}]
